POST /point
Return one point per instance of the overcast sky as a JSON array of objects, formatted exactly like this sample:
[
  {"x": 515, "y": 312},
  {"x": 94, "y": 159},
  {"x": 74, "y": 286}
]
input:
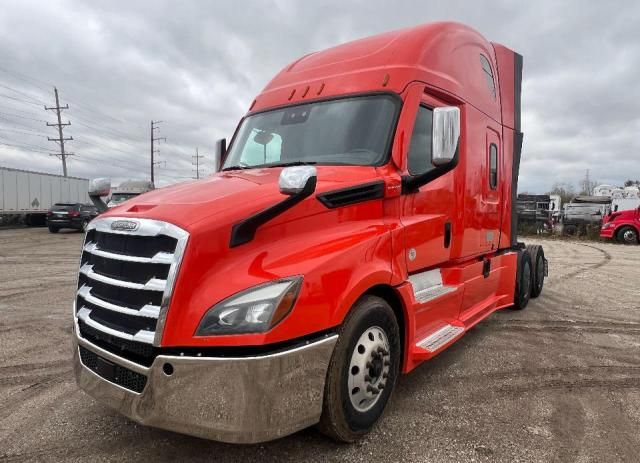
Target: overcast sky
[{"x": 198, "y": 65}]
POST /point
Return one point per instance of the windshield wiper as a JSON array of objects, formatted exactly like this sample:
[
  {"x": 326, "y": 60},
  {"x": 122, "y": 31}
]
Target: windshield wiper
[
  {"x": 236, "y": 168},
  {"x": 289, "y": 164}
]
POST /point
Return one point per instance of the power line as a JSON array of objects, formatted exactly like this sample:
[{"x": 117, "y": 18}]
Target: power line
[{"x": 58, "y": 109}]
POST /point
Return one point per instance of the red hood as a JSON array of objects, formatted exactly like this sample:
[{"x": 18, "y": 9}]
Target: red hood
[{"x": 233, "y": 195}]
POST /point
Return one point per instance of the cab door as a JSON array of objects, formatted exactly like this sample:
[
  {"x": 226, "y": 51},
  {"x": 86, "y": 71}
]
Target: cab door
[{"x": 427, "y": 214}]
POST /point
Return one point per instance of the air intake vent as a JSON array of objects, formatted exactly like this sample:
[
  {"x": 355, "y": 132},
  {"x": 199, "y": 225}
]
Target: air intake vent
[{"x": 352, "y": 195}]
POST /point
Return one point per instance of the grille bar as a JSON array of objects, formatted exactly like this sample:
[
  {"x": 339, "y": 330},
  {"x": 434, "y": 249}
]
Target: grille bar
[
  {"x": 154, "y": 284},
  {"x": 159, "y": 258},
  {"x": 141, "y": 336},
  {"x": 150, "y": 311}
]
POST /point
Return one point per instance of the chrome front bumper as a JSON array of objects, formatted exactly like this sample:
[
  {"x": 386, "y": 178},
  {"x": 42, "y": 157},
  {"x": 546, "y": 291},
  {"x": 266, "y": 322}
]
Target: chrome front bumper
[{"x": 238, "y": 400}]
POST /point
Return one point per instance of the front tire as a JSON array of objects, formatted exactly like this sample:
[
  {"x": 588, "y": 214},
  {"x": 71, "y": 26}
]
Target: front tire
[
  {"x": 362, "y": 372},
  {"x": 627, "y": 235},
  {"x": 53, "y": 229}
]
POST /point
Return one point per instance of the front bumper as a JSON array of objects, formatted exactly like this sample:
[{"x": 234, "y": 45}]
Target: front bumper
[
  {"x": 237, "y": 400},
  {"x": 606, "y": 232},
  {"x": 65, "y": 223}
]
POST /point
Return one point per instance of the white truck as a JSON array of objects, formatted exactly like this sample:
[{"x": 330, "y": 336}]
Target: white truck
[
  {"x": 31, "y": 194},
  {"x": 127, "y": 190}
]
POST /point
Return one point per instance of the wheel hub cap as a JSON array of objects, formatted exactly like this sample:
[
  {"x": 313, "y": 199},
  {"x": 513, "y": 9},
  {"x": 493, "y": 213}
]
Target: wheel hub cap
[{"x": 369, "y": 369}]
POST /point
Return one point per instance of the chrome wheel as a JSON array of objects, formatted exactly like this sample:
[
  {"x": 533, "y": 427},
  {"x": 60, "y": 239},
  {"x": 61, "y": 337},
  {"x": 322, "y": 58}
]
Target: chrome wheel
[
  {"x": 629, "y": 236},
  {"x": 369, "y": 368}
]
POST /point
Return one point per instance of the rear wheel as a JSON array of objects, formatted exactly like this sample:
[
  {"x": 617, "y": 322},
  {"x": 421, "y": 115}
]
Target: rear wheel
[
  {"x": 537, "y": 260},
  {"x": 570, "y": 230},
  {"x": 523, "y": 281},
  {"x": 627, "y": 235},
  {"x": 53, "y": 229},
  {"x": 362, "y": 372}
]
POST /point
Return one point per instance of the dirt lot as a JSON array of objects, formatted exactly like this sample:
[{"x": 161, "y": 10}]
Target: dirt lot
[{"x": 559, "y": 381}]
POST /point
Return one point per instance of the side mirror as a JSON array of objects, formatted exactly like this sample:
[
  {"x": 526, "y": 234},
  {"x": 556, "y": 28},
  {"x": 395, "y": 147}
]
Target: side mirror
[
  {"x": 99, "y": 187},
  {"x": 220, "y": 153},
  {"x": 446, "y": 135},
  {"x": 293, "y": 180}
]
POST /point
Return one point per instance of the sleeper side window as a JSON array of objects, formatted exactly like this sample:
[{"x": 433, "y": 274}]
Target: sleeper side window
[
  {"x": 419, "y": 159},
  {"x": 488, "y": 74},
  {"x": 493, "y": 166}
]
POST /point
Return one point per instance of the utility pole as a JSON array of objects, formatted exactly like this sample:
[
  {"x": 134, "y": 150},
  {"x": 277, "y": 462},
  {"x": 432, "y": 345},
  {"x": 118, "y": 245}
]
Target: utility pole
[
  {"x": 60, "y": 140},
  {"x": 153, "y": 150},
  {"x": 196, "y": 161}
]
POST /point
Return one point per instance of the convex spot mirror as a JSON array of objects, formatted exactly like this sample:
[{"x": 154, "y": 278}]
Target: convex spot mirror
[
  {"x": 294, "y": 179},
  {"x": 446, "y": 134}
]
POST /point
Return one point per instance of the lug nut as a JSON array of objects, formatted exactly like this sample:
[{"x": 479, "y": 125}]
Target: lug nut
[
  {"x": 381, "y": 386},
  {"x": 367, "y": 378},
  {"x": 372, "y": 389},
  {"x": 387, "y": 363},
  {"x": 369, "y": 365},
  {"x": 385, "y": 375}
]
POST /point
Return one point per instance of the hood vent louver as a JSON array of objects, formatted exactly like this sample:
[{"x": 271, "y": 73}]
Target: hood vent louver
[{"x": 352, "y": 195}]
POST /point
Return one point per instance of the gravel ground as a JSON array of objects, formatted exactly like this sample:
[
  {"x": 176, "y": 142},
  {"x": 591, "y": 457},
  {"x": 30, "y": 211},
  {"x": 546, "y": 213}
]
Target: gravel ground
[{"x": 559, "y": 381}]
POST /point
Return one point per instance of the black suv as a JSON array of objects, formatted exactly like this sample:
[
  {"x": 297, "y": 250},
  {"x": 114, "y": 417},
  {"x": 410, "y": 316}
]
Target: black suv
[{"x": 65, "y": 215}]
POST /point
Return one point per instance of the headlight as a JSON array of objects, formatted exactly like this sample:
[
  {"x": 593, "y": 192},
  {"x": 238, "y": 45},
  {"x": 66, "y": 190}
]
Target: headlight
[{"x": 254, "y": 310}]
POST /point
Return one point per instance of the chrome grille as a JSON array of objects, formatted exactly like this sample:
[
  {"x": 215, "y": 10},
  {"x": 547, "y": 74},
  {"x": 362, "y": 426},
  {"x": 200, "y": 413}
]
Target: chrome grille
[{"x": 126, "y": 279}]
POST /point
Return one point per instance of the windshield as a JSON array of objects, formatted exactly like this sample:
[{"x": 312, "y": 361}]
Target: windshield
[
  {"x": 350, "y": 131},
  {"x": 117, "y": 198}
]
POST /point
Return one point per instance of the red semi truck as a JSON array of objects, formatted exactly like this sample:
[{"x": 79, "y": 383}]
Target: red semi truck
[
  {"x": 362, "y": 221},
  {"x": 624, "y": 226}
]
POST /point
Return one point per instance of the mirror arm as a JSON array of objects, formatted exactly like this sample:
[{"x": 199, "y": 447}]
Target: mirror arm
[
  {"x": 244, "y": 232},
  {"x": 411, "y": 183}
]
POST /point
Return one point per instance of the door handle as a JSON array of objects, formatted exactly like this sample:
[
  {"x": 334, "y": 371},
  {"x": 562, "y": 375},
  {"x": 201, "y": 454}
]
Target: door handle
[{"x": 447, "y": 234}]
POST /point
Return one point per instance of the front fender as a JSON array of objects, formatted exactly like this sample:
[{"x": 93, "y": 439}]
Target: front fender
[{"x": 338, "y": 263}]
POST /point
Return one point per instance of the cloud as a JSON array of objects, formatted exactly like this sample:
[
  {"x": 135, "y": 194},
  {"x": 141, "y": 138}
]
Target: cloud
[{"x": 198, "y": 65}]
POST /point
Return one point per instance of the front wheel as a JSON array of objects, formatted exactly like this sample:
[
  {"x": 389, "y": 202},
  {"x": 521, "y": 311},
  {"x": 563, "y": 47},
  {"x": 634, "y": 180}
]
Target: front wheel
[
  {"x": 627, "y": 235},
  {"x": 363, "y": 370},
  {"x": 53, "y": 229}
]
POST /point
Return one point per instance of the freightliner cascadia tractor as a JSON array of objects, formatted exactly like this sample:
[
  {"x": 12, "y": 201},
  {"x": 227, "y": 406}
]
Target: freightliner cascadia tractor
[{"x": 362, "y": 221}]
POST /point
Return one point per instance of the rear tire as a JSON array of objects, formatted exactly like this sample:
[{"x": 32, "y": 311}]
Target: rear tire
[
  {"x": 627, "y": 235},
  {"x": 53, "y": 229},
  {"x": 523, "y": 281},
  {"x": 537, "y": 260},
  {"x": 367, "y": 353},
  {"x": 570, "y": 230}
]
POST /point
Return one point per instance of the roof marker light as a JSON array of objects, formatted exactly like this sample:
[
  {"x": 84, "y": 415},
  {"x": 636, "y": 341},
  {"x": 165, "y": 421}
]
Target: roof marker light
[
  {"x": 320, "y": 89},
  {"x": 385, "y": 81},
  {"x": 306, "y": 90},
  {"x": 293, "y": 92}
]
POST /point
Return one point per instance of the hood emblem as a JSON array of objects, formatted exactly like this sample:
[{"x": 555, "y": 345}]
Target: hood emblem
[{"x": 125, "y": 225}]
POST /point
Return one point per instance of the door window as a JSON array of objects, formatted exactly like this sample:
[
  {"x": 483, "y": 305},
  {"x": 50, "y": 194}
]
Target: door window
[
  {"x": 419, "y": 159},
  {"x": 493, "y": 166}
]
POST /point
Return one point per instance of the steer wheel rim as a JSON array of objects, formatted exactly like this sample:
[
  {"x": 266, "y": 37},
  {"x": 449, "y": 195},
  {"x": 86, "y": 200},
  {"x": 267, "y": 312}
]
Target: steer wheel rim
[
  {"x": 369, "y": 369},
  {"x": 629, "y": 236}
]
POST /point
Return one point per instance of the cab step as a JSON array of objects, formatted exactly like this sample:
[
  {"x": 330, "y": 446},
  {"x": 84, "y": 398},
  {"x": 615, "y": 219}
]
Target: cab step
[
  {"x": 440, "y": 338},
  {"x": 428, "y": 286}
]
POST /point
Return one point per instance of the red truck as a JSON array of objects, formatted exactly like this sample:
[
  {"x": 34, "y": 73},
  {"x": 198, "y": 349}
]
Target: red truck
[
  {"x": 623, "y": 226},
  {"x": 362, "y": 221}
]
